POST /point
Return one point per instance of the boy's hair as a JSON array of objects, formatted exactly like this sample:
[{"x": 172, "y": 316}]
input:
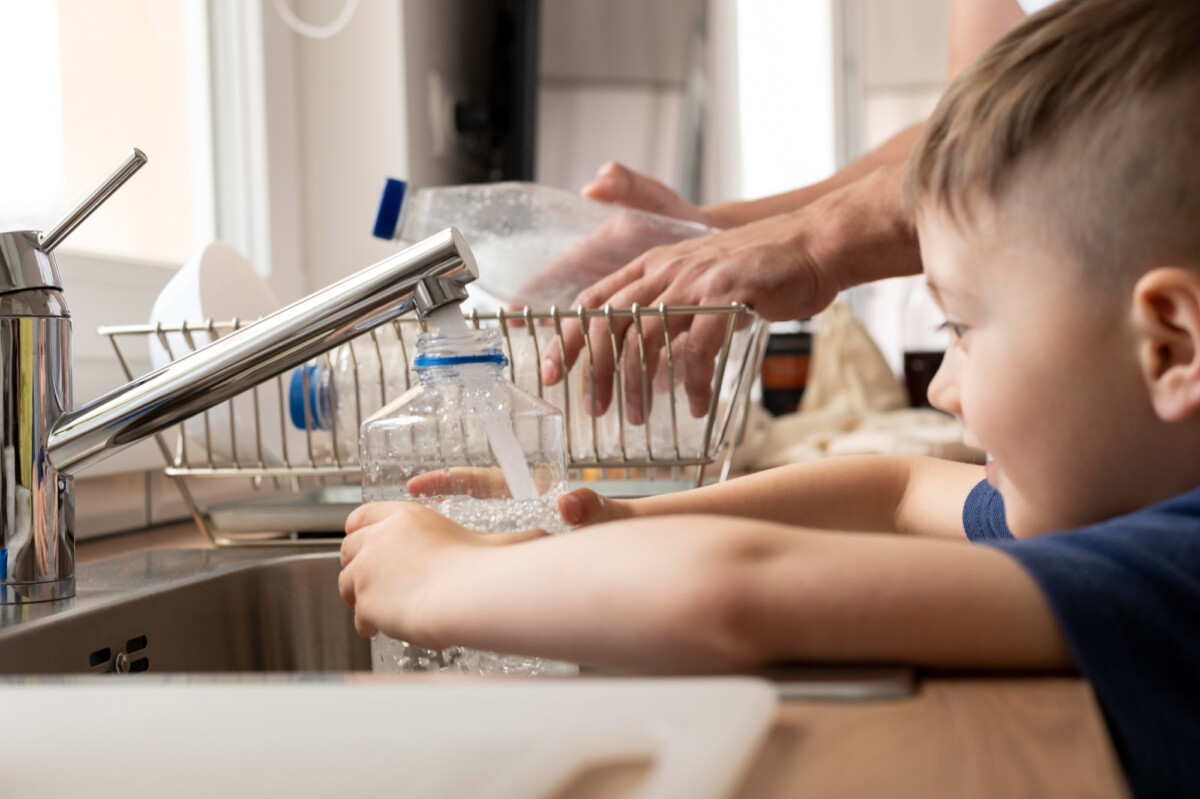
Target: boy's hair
[{"x": 1086, "y": 118}]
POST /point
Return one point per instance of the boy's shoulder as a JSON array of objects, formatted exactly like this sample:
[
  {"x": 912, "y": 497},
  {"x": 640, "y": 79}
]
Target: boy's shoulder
[
  {"x": 1126, "y": 595},
  {"x": 1174, "y": 523}
]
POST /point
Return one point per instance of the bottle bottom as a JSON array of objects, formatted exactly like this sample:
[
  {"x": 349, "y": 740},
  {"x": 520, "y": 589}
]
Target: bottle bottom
[{"x": 389, "y": 656}]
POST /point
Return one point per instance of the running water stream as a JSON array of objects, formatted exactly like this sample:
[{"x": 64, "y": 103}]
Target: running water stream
[
  {"x": 524, "y": 510},
  {"x": 501, "y": 437}
]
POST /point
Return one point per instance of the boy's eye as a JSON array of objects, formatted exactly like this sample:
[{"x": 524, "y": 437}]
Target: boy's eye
[{"x": 955, "y": 329}]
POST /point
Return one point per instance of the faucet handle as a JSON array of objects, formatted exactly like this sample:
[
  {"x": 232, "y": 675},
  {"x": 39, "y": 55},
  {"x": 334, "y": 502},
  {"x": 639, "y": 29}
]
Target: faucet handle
[{"x": 62, "y": 227}]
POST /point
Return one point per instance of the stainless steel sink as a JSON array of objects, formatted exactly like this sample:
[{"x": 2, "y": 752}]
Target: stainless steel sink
[
  {"x": 190, "y": 611},
  {"x": 260, "y": 610}
]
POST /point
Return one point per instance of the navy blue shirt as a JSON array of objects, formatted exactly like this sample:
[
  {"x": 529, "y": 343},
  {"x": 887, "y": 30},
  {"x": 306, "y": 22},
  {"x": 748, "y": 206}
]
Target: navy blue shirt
[{"x": 1126, "y": 594}]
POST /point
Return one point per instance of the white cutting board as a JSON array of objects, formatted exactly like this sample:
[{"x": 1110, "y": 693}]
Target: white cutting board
[{"x": 331, "y": 739}]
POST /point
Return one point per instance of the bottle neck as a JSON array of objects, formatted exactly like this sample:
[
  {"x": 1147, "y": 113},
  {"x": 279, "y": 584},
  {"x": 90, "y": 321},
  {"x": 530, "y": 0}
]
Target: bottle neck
[
  {"x": 489, "y": 371},
  {"x": 441, "y": 355}
]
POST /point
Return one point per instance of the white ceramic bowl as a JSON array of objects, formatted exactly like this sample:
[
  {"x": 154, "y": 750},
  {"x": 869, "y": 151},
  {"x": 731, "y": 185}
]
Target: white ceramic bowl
[{"x": 219, "y": 284}]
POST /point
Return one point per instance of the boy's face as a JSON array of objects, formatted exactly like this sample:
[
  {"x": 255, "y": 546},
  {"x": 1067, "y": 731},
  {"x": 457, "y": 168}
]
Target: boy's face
[{"x": 1041, "y": 370}]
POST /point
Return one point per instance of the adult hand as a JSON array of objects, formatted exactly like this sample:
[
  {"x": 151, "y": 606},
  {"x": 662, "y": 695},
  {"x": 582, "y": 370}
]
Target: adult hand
[
  {"x": 618, "y": 184},
  {"x": 392, "y": 554},
  {"x": 766, "y": 265},
  {"x": 613, "y": 243}
]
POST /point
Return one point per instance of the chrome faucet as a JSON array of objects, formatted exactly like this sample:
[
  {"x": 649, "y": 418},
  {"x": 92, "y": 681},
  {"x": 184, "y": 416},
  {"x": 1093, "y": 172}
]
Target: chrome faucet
[{"x": 43, "y": 443}]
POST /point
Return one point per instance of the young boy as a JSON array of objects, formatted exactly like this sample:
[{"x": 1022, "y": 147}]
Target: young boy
[{"x": 1056, "y": 192}]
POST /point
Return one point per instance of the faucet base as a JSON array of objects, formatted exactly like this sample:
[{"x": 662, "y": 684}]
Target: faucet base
[{"x": 41, "y": 591}]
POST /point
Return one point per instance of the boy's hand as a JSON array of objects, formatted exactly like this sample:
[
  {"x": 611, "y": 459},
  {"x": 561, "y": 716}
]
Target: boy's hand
[
  {"x": 473, "y": 481},
  {"x": 476, "y": 482},
  {"x": 584, "y": 506},
  {"x": 392, "y": 554},
  {"x": 579, "y": 507}
]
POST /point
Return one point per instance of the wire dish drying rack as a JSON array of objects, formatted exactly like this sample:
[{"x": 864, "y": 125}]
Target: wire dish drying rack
[{"x": 298, "y": 486}]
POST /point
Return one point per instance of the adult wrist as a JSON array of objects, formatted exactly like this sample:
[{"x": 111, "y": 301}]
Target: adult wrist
[
  {"x": 864, "y": 234},
  {"x": 719, "y": 215}
]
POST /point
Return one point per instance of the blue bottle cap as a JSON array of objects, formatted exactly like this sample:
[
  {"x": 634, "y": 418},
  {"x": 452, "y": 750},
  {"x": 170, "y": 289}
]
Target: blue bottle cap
[
  {"x": 390, "y": 203},
  {"x": 296, "y": 398}
]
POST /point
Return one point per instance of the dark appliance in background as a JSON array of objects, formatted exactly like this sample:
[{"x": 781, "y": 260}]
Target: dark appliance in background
[
  {"x": 489, "y": 75},
  {"x": 496, "y": 122}
]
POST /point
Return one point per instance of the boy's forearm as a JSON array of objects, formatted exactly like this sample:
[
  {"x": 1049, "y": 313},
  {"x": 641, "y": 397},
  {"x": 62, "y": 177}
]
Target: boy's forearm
[
  {"x": 862, "y": 493},
  {"x": 710, "y": 593},
  {"x": 637, "y": 594}
]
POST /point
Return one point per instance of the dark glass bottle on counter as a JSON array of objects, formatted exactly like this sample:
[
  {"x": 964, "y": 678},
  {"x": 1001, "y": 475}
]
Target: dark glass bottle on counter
[
  {"x": 785, "y": 367},
  {"x": 924, "y": 340}
]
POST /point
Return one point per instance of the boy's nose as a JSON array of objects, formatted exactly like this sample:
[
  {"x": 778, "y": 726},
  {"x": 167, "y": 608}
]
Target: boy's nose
[{"x": 943, "y": 389}]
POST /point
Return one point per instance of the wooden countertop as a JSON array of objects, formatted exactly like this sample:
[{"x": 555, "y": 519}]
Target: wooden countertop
[{"x": 958, "y": 736}]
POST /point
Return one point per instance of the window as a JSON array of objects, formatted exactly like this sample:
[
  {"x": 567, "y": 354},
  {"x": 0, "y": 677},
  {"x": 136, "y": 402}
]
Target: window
[
  {"x": 85, "y": 80},
  {"x": 785, "y": 94}
]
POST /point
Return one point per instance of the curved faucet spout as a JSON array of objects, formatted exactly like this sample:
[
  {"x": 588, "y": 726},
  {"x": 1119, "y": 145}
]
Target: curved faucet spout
[{"x": 423, "y": 277}]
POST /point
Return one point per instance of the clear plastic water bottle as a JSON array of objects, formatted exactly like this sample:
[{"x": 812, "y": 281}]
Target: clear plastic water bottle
[
  {"x": 358, "y": 379},
  {"x": 481, "y": 451},
  {"x": 536, "y": 245}
]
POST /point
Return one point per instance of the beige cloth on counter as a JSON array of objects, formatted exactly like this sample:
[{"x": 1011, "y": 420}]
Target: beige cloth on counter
[{"x": 854, "y": 405}]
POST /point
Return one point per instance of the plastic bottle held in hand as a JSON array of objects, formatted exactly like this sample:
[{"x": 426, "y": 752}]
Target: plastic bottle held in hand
[
  {"x": 536, "y": 245},
  {"x": 333, "y": 397},
  {"x": 470, "y": 444}
]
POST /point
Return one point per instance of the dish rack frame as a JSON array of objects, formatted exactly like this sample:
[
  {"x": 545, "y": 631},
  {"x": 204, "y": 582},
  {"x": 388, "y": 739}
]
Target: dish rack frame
[{"x": 728, "y": 410}]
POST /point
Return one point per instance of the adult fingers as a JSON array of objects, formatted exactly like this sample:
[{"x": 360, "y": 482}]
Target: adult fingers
[
  {"x": 559, "y": 359},
  {"x": 706, "y": 336},
  {"x": 642, "y": 360},
  {"x": 638, "y": 367},
  {"x": 511, "y": 309},
  {"x": 601, "y": 352},
  {"x": 609, "y": 333},
  {"x": 616, "y": 183}
]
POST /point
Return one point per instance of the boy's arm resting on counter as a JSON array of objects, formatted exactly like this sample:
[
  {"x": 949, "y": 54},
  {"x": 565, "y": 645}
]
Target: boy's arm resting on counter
[
  {"x": 883, "y": 494},
  {"x": 695, "y": 593}
]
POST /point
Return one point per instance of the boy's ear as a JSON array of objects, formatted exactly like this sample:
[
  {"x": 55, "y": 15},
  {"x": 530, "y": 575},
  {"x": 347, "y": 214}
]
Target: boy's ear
[{"x": 1166, "y": 313}]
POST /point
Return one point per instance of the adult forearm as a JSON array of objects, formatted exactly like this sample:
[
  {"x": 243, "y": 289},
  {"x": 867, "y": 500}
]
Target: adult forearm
[
  {"x": 861, "y": 233},
  {"x": 732, "y": 214}
]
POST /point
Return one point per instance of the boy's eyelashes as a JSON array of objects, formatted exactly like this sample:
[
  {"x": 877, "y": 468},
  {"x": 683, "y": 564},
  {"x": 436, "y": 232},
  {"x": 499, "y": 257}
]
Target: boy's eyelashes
[{"x": 954, "y": 328}]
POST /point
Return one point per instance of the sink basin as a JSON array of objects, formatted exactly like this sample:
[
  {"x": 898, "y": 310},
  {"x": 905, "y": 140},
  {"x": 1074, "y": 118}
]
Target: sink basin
[
  {"x": 190, "y": 611},
  {"x": 260, "y": 610}
]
